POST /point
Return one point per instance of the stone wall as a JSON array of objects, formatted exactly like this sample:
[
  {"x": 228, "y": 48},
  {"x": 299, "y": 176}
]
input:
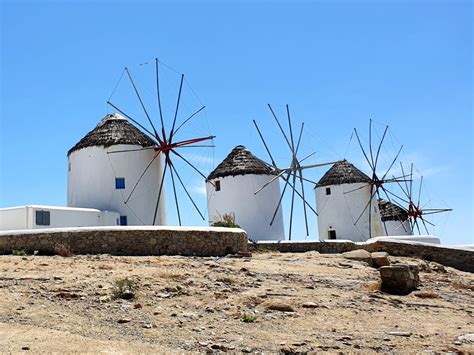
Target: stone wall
[
  {"x": 129, "y": 241},
  {"x": 460, "y": 259}
]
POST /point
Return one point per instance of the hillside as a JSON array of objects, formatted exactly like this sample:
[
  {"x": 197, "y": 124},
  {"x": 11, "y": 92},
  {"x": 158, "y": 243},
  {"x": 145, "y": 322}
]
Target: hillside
[{"x": 269, "y": 302}]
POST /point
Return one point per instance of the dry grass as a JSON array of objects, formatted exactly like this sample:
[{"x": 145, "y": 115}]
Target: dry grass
[
  {"x": 374, "y": 286},
  {"x": 459, "y": 285},
  {"x": 172, "y": 276},
  {"x": 63, "y": 250},
  {"x": 227, "y": 280},
  {"x": 426, "y": 294}
]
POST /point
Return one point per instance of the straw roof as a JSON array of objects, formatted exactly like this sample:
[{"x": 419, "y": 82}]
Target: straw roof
[
  {"x": 240, "y": 161},
  {"x": 113, "y": 129},
  {"x": 391, "y": 212},
  {"x": 342, "y": 172}
]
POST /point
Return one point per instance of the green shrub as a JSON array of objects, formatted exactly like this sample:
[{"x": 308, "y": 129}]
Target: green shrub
[
  {"x": 248, "y": 318},
  {"x": 19, "y": 252},
  {"x": 125, "y": 289},
  {"x": 227, "y": 220}
]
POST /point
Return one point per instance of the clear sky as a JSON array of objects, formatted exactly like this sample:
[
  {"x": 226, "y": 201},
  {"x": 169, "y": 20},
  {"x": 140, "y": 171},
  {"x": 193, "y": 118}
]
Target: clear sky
[{"x": 407, "y": 64}]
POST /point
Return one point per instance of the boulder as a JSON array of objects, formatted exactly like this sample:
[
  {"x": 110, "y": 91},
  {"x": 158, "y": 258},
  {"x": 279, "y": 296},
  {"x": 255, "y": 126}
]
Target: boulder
[
  {"x": 359, "y": 254},
  {"x": 399, "y": 279},
  {"x": 380, "y": 258}
]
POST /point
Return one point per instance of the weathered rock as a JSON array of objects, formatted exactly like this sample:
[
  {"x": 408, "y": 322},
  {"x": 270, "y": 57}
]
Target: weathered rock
[
  {"x": 285, "y": 349},
  {"x": 466, "y": 338},
  {"x": 360, "y": 255},
  {"x": 124, "y": 320},
  {"x": 380, "y": 258},
  {"x": 310, "y": 305},
  {"x": 437, "y": 267},
  {"x": 279, "y": 306},
  {"x": 399, "y": 279}
]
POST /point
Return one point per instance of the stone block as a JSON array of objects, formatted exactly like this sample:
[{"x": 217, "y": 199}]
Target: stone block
[
  {"x": 399, "y": 279},
  {"x": 380, "y": 258},
  {"x": 360, "y": 255}
]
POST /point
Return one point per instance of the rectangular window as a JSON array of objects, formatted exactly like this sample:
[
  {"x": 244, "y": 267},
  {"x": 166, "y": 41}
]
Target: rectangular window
[
  {"x": 42, "y": 218},
  {"x": 328, "y": 190},
  {"x": 218, "y": 185},
  {"x": 119, "y": 183},
  {"x": 123, "y": 220},
  {"x": 332, "y": 234}
]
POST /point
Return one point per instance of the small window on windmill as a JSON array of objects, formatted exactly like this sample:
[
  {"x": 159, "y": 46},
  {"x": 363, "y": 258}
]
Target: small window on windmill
[
  {"x": 217, "y": 184},
  {"x": 42, "y": 218},
  {"x": 328, "y": 190},
  {"x": 123, "y": 220},
  {"x": 332, "y": 234},
  {"x": 120, "y": 183},
  {"x": 69, "y": 166}
]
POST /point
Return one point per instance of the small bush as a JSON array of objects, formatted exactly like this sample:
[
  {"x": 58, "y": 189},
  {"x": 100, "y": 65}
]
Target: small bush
[
  {"x": 125, "y": 289},
  {"x": 19, "y": 252},
  {"x": 227, "y": 220},
  {"x": 248, "y": 318},
  {"x": 63, "y": 250}
]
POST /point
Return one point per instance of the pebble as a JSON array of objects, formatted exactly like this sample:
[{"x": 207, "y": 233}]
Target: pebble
[
  {"x": 400, "y": 334},
  {"x": 124, "y": 320},
  {"x": 310, "y": 305}
]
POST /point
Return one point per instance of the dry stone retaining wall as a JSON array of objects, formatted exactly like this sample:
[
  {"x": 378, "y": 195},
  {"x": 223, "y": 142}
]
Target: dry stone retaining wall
[
  {"x": 458, "y": 258},
  {"x": 130, "y": 241}
]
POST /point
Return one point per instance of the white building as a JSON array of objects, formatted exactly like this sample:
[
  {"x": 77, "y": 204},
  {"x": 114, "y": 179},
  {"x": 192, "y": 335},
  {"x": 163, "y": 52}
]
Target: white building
[
  {"x": 37, "y": 217},
  {"x": 231, "y": 189},
  {"x": 394, "y": 219},
  {"x": 127, "y": 182},
  {"x": 341, "y": 197}
]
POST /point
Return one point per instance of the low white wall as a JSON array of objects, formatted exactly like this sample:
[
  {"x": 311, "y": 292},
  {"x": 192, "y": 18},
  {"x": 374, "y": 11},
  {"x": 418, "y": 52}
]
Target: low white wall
[
  {"x": 13, "y": 218},
  {"x": 24, "y": 217}
]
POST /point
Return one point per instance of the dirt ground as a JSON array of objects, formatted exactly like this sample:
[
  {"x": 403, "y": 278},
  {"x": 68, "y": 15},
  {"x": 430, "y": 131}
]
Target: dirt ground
[{"x": 267, "y": 303}]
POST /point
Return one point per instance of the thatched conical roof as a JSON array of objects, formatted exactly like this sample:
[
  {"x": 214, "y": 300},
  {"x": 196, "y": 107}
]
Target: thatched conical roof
[
  {"x": 342, "y": 172},
  {"x": 113, "y": 129},
  {"x": 240, "y": 161},
  {"x": 391, "y": 212}
]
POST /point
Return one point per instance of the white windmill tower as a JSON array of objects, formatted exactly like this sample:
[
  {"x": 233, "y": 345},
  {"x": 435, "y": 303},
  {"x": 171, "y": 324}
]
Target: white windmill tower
[
  {"x": 339, "y": 211},
  {"x": 395, "y": 218},
  {"x": 231, "y": 190},
  {"x": 98, "y": 179}
]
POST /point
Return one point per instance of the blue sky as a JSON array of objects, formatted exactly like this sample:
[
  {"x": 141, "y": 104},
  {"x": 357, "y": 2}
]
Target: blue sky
[{"x": 407, "y": 64}]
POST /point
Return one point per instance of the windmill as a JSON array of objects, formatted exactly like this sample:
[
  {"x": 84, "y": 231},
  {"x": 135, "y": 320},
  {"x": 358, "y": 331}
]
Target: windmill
[
  {"x": 376, "y": 180},
  {"x": 166, "y": 137},
  {"x": 415, "y": 210},
  {"x": 293, "y": 174}
]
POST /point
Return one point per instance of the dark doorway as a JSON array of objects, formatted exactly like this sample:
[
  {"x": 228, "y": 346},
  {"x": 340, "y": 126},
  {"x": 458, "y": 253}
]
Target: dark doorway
[{"x": 332, "y": 234}]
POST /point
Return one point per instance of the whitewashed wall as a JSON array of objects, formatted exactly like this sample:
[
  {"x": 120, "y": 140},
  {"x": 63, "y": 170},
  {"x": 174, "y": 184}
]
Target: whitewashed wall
[
  {"x": 397, "y": 227},
  {"x": 91, "y": 182},
  {"x": 339, "y": 211},
  {"x": 252, "y": 212},
  {"x": 24, "y": 217}
]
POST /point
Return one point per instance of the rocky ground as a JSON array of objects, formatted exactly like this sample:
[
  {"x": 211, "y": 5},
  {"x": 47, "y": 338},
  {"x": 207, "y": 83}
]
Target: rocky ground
[{"x": 269, "y": 302}]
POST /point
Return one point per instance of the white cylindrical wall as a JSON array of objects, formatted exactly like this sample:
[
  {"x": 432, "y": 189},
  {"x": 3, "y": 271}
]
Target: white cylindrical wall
[
  {"x": 253, "y": 212},
  {"x": 340, "y": 209},
  {"x": 91, "y": 182},
  {"x": 397, "y": 227}
]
